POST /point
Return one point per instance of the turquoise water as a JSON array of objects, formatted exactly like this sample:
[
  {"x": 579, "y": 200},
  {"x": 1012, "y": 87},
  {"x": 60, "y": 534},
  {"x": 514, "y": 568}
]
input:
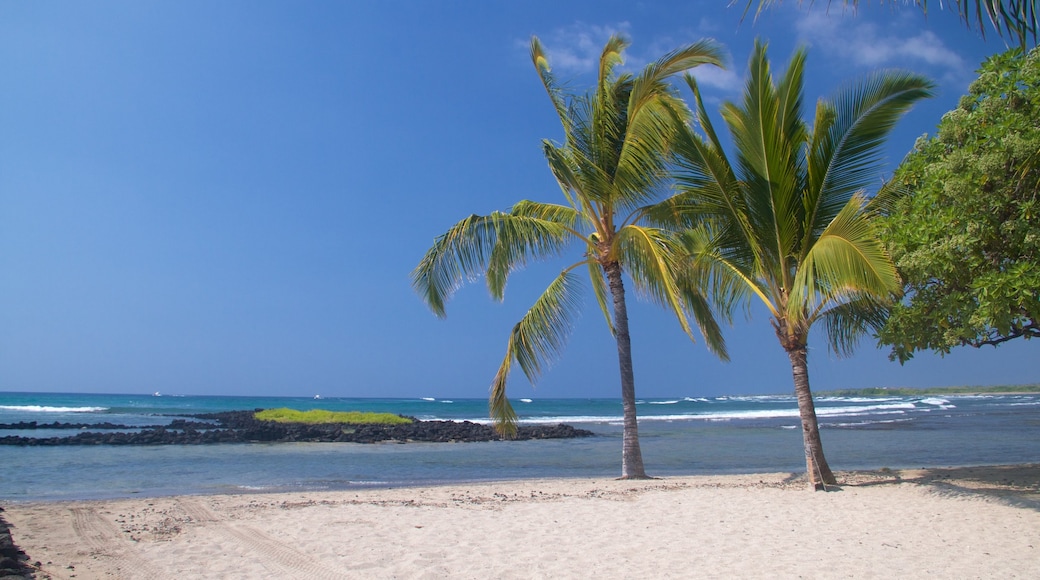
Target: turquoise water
[{"x": 678, "y": 436}]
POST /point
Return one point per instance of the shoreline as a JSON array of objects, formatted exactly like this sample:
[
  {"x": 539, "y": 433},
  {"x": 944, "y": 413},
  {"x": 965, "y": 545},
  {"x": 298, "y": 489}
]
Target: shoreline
[{"x": 978, "y": 521}]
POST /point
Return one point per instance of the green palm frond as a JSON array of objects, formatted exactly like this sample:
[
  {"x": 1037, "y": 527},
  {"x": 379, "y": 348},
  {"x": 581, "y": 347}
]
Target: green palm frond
[
  {"x": 536, "y": 341},
  {"x": 653, "y": 110},
  {"x": 566, "y": 216},
  {"x": 706, "y": 184},
  {"x": 847, "y": 260},
  {"x": 552, "y": 86},
  {"x": 767, "y": 133},
  {"x": 848, "y": 138},
  {"x": 650, "y": 257},
  {"x": 457, "y": 256},
  {"x": 705, "y": 293},
  {"x": 503, "y": 416},
  {"x": 847, "y": 322},
  {"x": 499, "y": 242},
  {"x": 734, "y": 278}
]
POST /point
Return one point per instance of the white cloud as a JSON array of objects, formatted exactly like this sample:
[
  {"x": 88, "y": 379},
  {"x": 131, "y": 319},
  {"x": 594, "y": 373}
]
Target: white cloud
[
  {"x": 865, "y": 44},
  {"x": 724, "y": 80}
]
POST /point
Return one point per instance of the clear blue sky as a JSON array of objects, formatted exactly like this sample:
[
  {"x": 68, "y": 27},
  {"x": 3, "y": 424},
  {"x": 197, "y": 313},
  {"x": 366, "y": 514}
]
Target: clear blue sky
[{"x": 227, "y": 197}]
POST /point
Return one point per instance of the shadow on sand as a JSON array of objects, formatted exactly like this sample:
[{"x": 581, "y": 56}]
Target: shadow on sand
[{"x": 1014, "y": 485}]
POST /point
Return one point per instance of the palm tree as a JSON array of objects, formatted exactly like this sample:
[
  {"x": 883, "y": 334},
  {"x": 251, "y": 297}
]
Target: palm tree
[
  {"x": 612, "y": 160},
  {"x": 790, "y": 222},
  {"x": 1015, "y": 18}
]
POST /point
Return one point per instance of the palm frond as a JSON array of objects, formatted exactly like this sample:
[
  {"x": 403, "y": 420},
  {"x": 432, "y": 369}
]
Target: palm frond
[
  {"x": 847, "y": 322},
  {"x": 536, "y": 341},
  {"x": 519, "y": 239},
  {"x": 457, "y": 256},
  {"x": 768, "y": 156},
  {"x": 704, "y": 178},
  {"x": 567, "y": 217},
  {"x": 733, "y": 279},
  {"x": 499, "y": 242},
  {"x": 654, "y": 112},
  {"x": 552, "y": 87},
  {"x": 848, "y": 139},
  {"x": 650, "y": 256},
  {"x": 503, "y": 416},
  {"x": 846, "y": 261}
]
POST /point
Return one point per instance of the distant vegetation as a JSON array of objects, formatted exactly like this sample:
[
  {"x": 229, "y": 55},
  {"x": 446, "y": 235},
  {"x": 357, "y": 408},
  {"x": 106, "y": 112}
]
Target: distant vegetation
[
  {"x": 319, "y": 416},
  {"x": 901, "y": 392}
]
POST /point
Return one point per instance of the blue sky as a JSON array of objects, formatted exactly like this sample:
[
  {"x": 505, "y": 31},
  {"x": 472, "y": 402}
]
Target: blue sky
[{"x": 228, "y": 197}]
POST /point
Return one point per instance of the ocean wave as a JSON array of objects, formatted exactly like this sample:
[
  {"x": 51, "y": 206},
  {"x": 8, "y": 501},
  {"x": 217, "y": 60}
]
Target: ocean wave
[
  {"x": 663, "y": 402},
  {"x": 865, "y": 423},
  {"x": 858, "y": 399},
  {"x": 758, "y": 398},
  {"x": 713, "y": 416},
  {"x": 934, "y": 401},
  {"x": 45, "y": 409}
]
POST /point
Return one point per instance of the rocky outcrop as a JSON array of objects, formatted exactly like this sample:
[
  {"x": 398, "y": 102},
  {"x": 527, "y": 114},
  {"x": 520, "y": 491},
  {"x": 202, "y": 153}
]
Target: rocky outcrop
[{"x": 242, "y": 427}]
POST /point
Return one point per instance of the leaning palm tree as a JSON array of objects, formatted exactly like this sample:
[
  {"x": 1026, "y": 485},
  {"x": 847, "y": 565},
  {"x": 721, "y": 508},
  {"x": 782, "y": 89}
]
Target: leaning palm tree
[
  {"x": 1015, "y": 18},
  {"x": 788, "y": 222},
  {"x": 612, "y": 161}
]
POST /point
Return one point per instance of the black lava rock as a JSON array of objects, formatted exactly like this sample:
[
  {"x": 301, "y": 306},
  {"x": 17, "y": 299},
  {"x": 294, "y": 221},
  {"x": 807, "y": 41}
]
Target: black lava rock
[{"x": 243, "y": 427}]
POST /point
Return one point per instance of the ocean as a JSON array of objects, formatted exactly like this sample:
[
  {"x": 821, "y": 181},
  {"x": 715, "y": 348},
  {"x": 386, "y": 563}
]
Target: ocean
[{"x": 683, "y": 436}]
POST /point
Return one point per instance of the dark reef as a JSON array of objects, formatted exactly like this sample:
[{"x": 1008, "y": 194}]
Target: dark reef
[{"x": 242, "y": 427}]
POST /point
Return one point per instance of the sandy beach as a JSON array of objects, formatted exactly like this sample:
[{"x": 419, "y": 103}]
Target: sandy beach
[{"x": 943, "y": 523}]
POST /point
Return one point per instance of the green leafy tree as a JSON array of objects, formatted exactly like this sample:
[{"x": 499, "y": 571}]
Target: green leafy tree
[
  {"x": 611, "y": 162},
  {"x": 964, "y": 221},
  {"x": 1017, "y": 19},
  {"x": 788, "y": 221}
]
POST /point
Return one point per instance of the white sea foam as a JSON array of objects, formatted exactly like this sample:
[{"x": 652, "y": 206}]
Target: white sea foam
[
  {"x": 695, "y": 399},
  {"x": 428, "y": 399},
  {"x": 525, "y": 400},
  {"x": 720, "y": 416},
  {"x": 934, "y": 401},
  {"x": 663, "y": 402},
  {"x": 865, "y": 423},
  {"x": 858, "y": 399},
  {"x": 447, "y": 401},
  {"x": 43, "y": 409}
]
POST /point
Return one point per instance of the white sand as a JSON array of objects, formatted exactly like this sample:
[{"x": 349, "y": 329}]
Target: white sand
[{"x": 957, "y": 523}]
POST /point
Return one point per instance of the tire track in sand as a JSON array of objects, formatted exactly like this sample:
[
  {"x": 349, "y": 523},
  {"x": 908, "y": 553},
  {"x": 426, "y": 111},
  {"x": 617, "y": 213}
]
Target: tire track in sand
[
  {"x": 293, "y": 563},
  {"x": 103, "y": 539}
]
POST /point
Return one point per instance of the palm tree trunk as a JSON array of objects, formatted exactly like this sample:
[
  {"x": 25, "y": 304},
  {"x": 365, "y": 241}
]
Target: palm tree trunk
[
  {"x": 631, "y": 456},
  {"x": 815, "y": 463}
]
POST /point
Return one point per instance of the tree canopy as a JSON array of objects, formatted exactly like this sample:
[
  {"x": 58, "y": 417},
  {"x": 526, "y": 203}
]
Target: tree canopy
[
  {"x": 964, "y": 222},
  {"x": 786, "y": 219},
  {"x": 612, "y": 161}
]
